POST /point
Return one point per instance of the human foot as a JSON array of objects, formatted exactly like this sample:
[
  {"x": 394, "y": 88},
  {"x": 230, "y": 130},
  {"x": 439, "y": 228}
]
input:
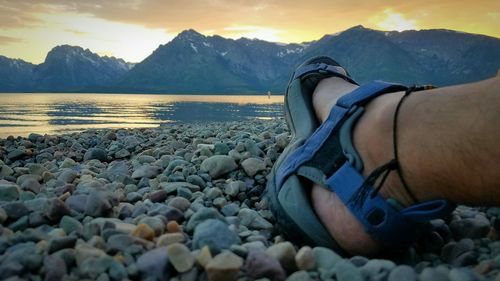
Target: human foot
[{"x": 372, "y": 138}]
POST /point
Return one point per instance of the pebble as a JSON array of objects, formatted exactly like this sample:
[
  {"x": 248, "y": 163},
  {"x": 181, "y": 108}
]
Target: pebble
[
  {"x": 285, "y": 253},
  {"x": 299, "y": 276},
  {"x": 376, "y": 269},
  {"x": 253, "y": 220},
  {"x": 8, "y": 192},
  {"x": 224, "y": 267},
  {"x": 180, "y": 257},
  {"x": 59, "y": 243},
  {"x": 204, "y": 256},
  {"x": 55, "y": 209},
  {"x": 144, "y": 231},
  {"x": 218, "y": 165},
  {"x": 200, "y": 216},
  {"x": 158, "y": 196},
  {"x": 402, "y": 272},
  {"x": 325, "y": 258},
  {"x": 194, "y": 193},
  {"x": 346, "y": 271},
  {"x": 153, "y": 264},
  {"x": 470, "y": 227},
  {"x": 432, "y": 274},
  {"x": 304, "y": 259},
  {"x": 173, "y": 226},
  {"x": 259, "y": 265},
  {"x": 215, "y": 234},
  {"x": 95, "y": 153},
  {"x": 16, "y": 154},
  {"x": 146, "y": 171},
  {"x": 252, "y": 166},
  {"x": 97, "y": 204},
  {"x": 179, "y": 203},
  {"x": 55, "y": 267}
]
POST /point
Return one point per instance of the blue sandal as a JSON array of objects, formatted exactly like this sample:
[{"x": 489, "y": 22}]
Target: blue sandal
[{"x": 324, "y": 154}]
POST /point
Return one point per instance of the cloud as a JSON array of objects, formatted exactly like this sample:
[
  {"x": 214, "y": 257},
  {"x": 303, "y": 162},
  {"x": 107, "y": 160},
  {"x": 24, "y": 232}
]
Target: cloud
[
  {"x": 4, "y": 40},
  {"x": 76, "y": 32}
]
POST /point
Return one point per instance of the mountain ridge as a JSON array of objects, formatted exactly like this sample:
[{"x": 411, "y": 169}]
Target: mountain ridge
[{"x": 195, "y": 63}]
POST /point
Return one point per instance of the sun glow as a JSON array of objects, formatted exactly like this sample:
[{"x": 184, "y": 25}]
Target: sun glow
[
  {"x": 263, "y": 33},
  {"x": 391, "y": 20}
]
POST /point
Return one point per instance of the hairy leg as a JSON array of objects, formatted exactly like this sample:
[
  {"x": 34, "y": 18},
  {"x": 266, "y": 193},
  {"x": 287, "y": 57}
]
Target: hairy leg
[{"x": 448, "y": 147}]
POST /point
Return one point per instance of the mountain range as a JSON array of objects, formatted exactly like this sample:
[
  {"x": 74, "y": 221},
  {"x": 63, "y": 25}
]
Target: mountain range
[{"x": 194, "y": 63}]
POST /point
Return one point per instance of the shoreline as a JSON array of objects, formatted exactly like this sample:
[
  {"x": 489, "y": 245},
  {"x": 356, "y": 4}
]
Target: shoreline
[{"x": 183, "y": 201}]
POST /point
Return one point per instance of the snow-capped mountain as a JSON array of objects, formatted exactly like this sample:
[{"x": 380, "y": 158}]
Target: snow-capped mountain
[
  {"x": 71, "y": 68},
  {"x": 195, "y": 63}
]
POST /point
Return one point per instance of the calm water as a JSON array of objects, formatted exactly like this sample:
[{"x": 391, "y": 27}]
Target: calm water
[{"x": 49, "y": 113}]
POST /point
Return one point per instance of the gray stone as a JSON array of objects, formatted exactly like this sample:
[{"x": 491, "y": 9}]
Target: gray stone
[
  {"x": 5, "y": 170},
  {"x": 15, "y": 210},
  {"x": 59, "y": 243},
  {"x": 8, "y": 192},
  {"x": 77, "y": 202},
  {"x": 474, "y": 228},
  {"x": 122, "y": 153},
  {"x": 97, "y": 204},
  {"x": 200, "y": 216},
  {"x": 16, "y": 154},
  {"x": 55, "y": 268},
  {"x": 3, "y": 215},
  {"x": 230, "y": 209},
  {"x": 233, "y": 188},
  {"x": 221, "y": 149},
  {"x": 153, "y": 264},
  {"x": 95, "y": 153},
  {"x": 252, "y": 166},
  {"x": 300, "y": 276},
  {"x": 68, "y": 176},
  {"x": 376, "y": 269},
  {"x": 218, "y": 165},
  {"x": 146, "y": 171},
  {"x": 69, "y": 225},
  {"x": 131, "y": 142},
  {"x": 402, "y": 272},
  {"x": 252, "y": 147},
  {"x": 180, "y": 203},
  {"x": 180, "y": 257},
  {"x": 94, "y": 266},
  {"x": 215, "y": 234},
  {"x": 431, "y": 274},
  {"x": 463, "y": 274},
  {"x": 253, "y": 220},
  {"x": 346, "y": 271},
  {"x": 325, "y": 258},
  {"x": 196, "y": 180}
]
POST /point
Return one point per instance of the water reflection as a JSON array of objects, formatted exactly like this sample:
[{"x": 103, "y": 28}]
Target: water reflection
[{"x": 62, "y": 113}]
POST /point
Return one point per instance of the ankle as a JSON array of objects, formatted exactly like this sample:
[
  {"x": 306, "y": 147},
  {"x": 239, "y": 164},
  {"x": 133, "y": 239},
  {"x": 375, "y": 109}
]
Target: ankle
[{"x": 373, "y": 139}]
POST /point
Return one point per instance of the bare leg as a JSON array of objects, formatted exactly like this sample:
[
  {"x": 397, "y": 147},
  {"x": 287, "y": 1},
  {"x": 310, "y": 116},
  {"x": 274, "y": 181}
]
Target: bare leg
[{"x": 448, "y": 143}]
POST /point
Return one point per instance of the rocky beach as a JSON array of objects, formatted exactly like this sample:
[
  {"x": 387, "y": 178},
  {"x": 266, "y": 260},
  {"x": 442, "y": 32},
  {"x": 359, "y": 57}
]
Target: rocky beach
[{"x": 184, "y": 202}]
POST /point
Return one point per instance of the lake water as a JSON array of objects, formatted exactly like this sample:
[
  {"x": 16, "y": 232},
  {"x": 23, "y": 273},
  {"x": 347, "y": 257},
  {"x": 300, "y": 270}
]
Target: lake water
[{"x": 22, "y": 114}]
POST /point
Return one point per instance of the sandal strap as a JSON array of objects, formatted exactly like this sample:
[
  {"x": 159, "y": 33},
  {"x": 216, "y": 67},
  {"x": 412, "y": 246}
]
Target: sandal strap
[
  {"x": 322, "y": 68},
  {"x": 323, "y": 160}
]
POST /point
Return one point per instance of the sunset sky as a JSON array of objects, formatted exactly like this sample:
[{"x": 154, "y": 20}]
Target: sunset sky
[{"x": 132, "y": 29}]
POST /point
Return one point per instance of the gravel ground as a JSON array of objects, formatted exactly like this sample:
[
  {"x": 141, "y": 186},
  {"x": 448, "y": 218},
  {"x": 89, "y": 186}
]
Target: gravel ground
[{"x": 183, "y": 202}]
